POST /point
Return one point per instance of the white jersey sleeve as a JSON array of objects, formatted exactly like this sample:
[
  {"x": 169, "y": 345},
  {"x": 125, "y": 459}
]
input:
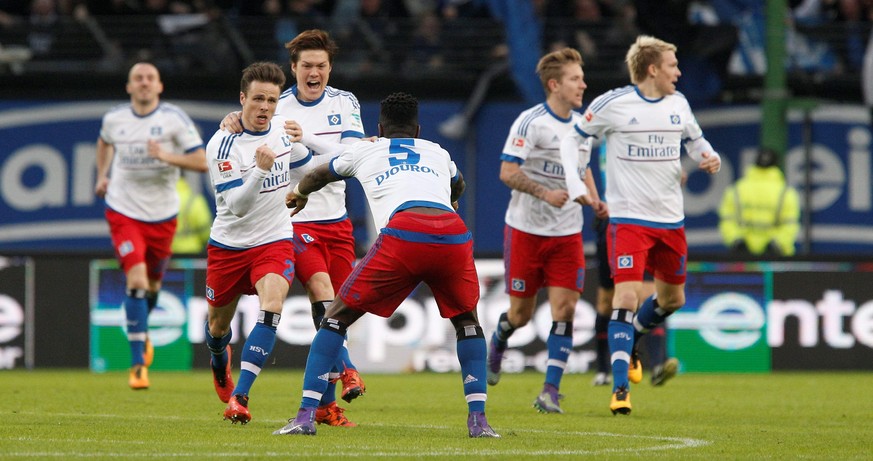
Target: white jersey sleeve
[
  {"x": 140, "y": 186},
  {"x": 534, "y": 143},
  {"x": 328, "y": 123},
  {"x": 237, "y": 180},
  {"x": 399, "y": 173}
]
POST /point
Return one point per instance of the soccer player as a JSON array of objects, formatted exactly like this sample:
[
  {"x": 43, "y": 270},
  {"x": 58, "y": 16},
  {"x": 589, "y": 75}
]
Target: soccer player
[
  {"x": 663, "y": 368},
  {"x": 250, "y": 250},
  {"x": 144, "y": 144},
  {"x": 412, "y": 186},
  {"x": 647, "y": 124},
  {"x": 542, "y": 240},
  {"x": 323, "y": 240}
]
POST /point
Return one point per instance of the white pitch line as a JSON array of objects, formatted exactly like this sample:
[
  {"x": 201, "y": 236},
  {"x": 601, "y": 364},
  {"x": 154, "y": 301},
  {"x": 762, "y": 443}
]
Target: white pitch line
[{"x": 669, "y": 443}]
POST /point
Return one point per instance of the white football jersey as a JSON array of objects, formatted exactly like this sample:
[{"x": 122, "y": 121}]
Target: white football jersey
[
  {"x": 335, "y": 116},
  {"x": 399, "y": 173},
  {"x": 231, "y": 160},
  {"x": 140, "y": 186},
  {"x": 534, "y": 141},
  {"x": 643, "y": 181}
]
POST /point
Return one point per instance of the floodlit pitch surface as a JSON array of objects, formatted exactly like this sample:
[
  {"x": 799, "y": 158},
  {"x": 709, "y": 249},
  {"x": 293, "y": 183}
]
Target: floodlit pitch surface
[{"x": 75, "y": 414}]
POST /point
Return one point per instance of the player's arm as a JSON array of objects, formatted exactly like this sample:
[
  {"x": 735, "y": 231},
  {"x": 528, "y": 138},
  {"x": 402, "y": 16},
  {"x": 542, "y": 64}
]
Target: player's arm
[
  {"x": 601, "y": 210},
  {"x": 575, "y": 153},
  {"x": 702, "y": 152},
  {"x": 105, "y": 152},
  {"x": 698, "y": 147},
  {"x": 512, "y": 176},
  {"x": 232, "y": 122},
  {"x": 240, "y": 195},
  {"x": 458, "y": 187},
  {"x": 322, "y": 146},
  {"x": 192, "y": 160},
  {"x": 313, "y": 181}
]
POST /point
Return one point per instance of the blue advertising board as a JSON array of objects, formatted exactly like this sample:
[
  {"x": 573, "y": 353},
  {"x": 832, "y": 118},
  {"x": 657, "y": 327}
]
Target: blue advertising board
[{"x": 47, "y": 170}]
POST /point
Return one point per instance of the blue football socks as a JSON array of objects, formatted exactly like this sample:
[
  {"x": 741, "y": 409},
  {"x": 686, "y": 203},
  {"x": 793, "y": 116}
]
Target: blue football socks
[
  {"x": 322, "y": 356},
  {"x": 472, "y": 351},
  {"x": 257, "y": 349},
  {"x": 621, "y": 343},
  {"x": 137, "y": 313},
  {"x": 559, "y": 344},
  {"x": 218, "y": 348}
]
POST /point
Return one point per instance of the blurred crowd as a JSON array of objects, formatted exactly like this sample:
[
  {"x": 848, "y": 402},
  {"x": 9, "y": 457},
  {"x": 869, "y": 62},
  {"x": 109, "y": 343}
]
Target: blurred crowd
[{"x": 716, "y": 38}]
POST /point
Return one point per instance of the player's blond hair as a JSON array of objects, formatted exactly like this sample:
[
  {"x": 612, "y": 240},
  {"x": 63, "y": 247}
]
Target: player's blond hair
[
  {"x": 551, "y": 66},
  {"x": 647, "y": 50}
]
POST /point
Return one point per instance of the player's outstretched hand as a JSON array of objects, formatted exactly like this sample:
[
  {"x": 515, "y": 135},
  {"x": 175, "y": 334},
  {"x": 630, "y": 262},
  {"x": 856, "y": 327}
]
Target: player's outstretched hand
[{"x": 296, "y": 201}]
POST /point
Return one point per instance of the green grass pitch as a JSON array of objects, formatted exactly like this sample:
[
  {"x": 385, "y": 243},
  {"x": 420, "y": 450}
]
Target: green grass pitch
[{"x": 76, "y": 414}]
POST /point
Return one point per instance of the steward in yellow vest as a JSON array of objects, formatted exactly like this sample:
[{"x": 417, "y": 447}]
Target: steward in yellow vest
[
  {"x": 760, "y": 213},
  {"x": 193, "y": 223}
]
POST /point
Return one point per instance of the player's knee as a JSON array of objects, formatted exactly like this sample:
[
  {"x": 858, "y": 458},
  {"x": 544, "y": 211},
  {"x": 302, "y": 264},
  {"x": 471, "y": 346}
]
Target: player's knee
[
  {"x": 671, "y": 298},
  {"x": 625, "y": 300},
  {"x": 319, "y": 286}
]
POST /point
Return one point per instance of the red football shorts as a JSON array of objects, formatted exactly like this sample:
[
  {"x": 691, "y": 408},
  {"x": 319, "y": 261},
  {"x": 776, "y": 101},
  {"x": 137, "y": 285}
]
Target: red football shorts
[
  {"x": 231, "y": 273},
  {"x": 634, "y": 249},
  {"x": 534, "y": 261},
  {"x": 324, "y": 247},
  {"x": 138, "y": 241},
  {"x": 414, "y": 248}
]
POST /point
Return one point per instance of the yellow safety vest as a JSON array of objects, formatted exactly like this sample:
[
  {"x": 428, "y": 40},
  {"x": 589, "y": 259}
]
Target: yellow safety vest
[
  {"x": 761, "y": 209},
  {"x": 193, "y": 222}
]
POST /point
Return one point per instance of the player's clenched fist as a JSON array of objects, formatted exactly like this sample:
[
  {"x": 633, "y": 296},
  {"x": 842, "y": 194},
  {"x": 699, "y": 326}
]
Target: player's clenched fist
[{"x": 264, "y": 157}]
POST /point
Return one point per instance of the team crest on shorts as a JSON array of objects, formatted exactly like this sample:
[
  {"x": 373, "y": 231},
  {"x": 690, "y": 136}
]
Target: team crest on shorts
[
  {"x": 625, "y": 262},
  {"x": 210, "y": 294},
  {"x": 125, "y": 248},
  {"x": 517, "y": 285},
  {"x": 307, "y": 238}
]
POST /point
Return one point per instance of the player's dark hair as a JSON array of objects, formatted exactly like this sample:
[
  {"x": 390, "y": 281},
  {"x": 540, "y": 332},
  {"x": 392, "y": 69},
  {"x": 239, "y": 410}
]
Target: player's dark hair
[
  {"x": 398, "y": 116},
  {"x": 261, "y": 72},
  {"x": 312, "y": 39}
]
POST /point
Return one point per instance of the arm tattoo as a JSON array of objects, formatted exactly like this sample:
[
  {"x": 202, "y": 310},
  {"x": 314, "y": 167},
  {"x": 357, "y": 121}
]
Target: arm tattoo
[{"x": 520, "y": 182}]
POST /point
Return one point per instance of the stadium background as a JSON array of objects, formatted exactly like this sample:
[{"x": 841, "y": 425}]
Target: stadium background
[{"x": 57, "y": 279}]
